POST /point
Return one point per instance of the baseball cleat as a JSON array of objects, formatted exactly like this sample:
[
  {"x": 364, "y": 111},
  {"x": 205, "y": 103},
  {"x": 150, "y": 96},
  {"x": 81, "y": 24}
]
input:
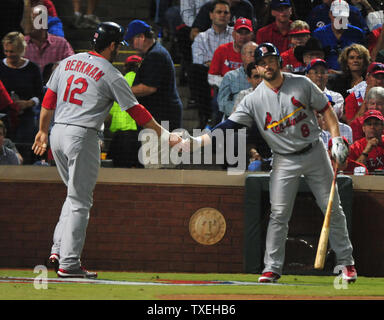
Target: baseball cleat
[
  {"x": 269, "y": 277},
  {"x": 53, "y": 261},
  {"x": 349, "y": 274},
  {"x": 77, "y": 273}
]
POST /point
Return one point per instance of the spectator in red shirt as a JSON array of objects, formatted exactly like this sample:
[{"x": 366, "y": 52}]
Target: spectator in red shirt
[
  {"x": 43, "y": 47},
  {"x": 370, "y": 149},
  {"x": 374, "y": 100},
  {"x": 354, "y": 106},
  {"x": 277, "y": 32},
  {"x": 375, "y": 42},
  {"x": 299, "y": 34},
  {"x": 227, "y": 56},
  {"x": 349, "y": 166}
]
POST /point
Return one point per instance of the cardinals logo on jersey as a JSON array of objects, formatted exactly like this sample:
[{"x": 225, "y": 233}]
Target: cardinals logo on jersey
[{"x": 287, "y": 121}]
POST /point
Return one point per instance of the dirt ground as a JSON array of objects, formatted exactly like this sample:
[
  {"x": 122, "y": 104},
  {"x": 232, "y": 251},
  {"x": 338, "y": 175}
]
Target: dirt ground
[{"x": 264, "y": 297}]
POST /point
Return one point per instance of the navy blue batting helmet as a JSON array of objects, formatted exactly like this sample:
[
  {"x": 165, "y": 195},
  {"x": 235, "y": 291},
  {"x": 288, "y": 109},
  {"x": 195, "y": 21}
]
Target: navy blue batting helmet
[
  {"x": 267, "y": 49},
  {"x": 106, "y": 33}
]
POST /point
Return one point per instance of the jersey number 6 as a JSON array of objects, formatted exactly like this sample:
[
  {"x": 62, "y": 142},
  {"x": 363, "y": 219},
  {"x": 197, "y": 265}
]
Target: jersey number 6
[{"x": 84, "y": 87}]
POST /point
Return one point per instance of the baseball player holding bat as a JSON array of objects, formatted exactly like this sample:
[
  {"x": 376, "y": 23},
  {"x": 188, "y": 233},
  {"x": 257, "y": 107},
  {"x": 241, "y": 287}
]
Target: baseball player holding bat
[
  {"x": 283, "y": 108},
  {"x": 80, "y": 94}
]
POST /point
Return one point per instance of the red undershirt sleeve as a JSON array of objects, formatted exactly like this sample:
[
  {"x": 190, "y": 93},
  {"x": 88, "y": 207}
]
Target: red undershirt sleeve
[
  {"x": 140, "y": 114},
  {"x": 50, "y": 99}
]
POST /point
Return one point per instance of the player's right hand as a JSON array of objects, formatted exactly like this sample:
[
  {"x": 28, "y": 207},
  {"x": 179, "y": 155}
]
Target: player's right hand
[
  {"x": 339, "y": 150},
  {"x": 41, "y": 143}
]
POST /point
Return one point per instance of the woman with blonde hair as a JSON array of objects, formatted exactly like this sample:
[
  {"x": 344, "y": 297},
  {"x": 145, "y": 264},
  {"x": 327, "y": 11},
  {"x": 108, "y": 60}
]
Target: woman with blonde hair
[
  {"x": 354, "y": 61},
  {"x": 23, "y": 81}
]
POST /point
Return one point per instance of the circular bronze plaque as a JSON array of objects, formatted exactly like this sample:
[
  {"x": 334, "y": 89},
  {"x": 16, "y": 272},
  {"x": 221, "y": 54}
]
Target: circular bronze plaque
[{"x": 207, "y": 226}]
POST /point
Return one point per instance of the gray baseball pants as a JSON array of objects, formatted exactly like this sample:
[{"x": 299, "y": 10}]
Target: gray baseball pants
[
  {"x": 77, "y": 155},
  {"x": 316, "y": 168}
]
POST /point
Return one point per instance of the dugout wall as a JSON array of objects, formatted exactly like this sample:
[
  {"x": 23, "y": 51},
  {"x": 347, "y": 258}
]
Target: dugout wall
[{"x": 140, "y": 219}]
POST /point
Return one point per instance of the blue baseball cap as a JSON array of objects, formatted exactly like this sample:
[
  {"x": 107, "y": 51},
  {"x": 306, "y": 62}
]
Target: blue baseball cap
[
  {"x": 134, "y": 28},
  {"x": 275, "y": 4},
  {"x": 316, "y": 62}
]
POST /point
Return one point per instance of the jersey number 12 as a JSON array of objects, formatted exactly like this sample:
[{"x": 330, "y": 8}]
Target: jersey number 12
[{"x": 80, "y": 90}]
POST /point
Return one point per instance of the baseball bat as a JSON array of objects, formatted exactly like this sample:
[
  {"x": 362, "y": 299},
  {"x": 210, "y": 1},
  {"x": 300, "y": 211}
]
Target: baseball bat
[{"x": 323, "y": 241}]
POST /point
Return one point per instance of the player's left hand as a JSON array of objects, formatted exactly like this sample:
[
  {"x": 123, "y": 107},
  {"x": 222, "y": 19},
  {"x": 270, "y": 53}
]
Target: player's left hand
[
  {"x": 41, "y": 143},
  {"x": 339, "y": 150}
]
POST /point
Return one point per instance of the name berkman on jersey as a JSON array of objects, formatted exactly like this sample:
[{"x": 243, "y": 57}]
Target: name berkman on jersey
[{"x": 85, "y": 68}]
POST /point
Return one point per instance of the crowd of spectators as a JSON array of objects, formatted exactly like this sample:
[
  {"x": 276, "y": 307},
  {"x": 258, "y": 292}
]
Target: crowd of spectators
[{"x": 337, "y": 44}]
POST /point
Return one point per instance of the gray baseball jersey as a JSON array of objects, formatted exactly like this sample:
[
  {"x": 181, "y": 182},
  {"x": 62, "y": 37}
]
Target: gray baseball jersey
[
  {"x": 287, "y": 121},
  {"x": 285, "y": 118},
  {"x": 100, "y": 82},
  {"x": 86, "y": 85}
]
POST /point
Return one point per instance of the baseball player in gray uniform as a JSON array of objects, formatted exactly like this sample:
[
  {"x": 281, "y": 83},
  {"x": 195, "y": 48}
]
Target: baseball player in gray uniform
[
  {"x": 80, "y": 94},
  {"x": 283, "y": 107}
]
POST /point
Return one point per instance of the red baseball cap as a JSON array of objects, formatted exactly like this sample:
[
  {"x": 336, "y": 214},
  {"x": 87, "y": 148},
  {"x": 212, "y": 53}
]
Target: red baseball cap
[
  {"x": 133, "y": 58},
  {"x": 302, "y": 31},
  {"x": 243, "y": 23},
  {"x": 316, "y": 62},
  {"x": 375, "y": 68},
  {"x": 373, "y": 114}
]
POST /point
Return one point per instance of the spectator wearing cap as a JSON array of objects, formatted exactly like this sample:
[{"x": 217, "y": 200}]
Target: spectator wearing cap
[
  {"x": 312, "y": 49},
  {"x": 349, "y": 166},
  {"x": 227, "y": 57},
  {"x": 374, "y": 100},
  {"x": 354, "y": 101},
  {"x": 277, "y": 32},
  {"x": 338, "y": 34},
  {"x": 155, "y": 81},
  {"x": 317, "y": 71},
  {"x": 131, "y": 66},
  {"x": 124, "y": 146},
  {"x": 370, "y": 149},
  {"x": 319, "y": 16},
  {"x": 299, "y": 34}
]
